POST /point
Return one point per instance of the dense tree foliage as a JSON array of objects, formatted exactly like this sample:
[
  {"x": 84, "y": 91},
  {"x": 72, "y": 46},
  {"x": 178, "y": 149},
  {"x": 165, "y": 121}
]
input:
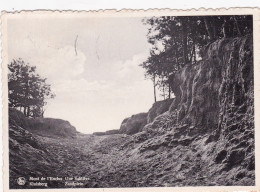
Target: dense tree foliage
[
  {"x": 178, "y": 40},
  {"x": 27, "y": 91}
]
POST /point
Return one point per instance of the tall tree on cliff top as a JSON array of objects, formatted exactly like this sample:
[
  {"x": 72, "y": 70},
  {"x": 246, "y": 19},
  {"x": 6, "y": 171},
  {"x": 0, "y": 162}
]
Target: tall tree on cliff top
[
  {"x": 27, "y": 91},
  {"x": 177, "y": 41},
  {"x": 151, "y": 72}
]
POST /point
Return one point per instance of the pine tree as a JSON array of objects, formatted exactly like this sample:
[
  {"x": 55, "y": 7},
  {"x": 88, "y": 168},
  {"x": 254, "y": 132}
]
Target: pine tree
[
  {"x": 178, "y": 40},
  {"x": 27, "y": 91}
]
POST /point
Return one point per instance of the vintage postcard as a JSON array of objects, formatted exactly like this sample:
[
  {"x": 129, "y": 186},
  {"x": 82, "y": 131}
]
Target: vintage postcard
[{"x": 155, "y": 100}]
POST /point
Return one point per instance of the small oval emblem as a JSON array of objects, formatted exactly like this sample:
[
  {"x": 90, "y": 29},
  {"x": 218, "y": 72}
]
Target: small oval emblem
[{"x": 21, "y": 181}]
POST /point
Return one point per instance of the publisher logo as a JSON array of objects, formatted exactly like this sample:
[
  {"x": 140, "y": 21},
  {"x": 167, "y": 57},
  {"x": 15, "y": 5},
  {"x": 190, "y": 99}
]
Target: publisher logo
[{"x": 21, "y": 181}]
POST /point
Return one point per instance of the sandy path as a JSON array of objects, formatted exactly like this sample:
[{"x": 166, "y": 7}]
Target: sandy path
[{"x": 98, "y": 158}]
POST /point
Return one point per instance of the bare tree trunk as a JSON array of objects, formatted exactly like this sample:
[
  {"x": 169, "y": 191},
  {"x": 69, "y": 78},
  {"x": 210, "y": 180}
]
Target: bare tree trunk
[
  {"x": 163, "y": 87},
  {"x": 163, "y": 91},
  {"x": 28, "y": 111},
  {"x": 176, "y": 54},
  {"x": 191, "y": 55},
  {"x": 214, "y": 31},
  {"x": 24, "y": 111},
  {"x": 42, "y": 112},
  {"x": 26, "y": 108},
  {"x": 169, "y": 93},
  {"x": 154, "y": 88},
  {"x": 184, "y": 41},
  {"x": 207, "y": 26},
  {"x": 177, "y": 59},
  {"x": 194, "y": 53},
  {"x": 236, "y": 24}
]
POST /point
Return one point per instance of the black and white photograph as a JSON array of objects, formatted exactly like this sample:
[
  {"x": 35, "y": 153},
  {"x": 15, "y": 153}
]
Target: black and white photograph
[{"x": 124, "y": 100}]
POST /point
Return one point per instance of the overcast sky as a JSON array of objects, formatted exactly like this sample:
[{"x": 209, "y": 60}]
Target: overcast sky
[{"x": 98, "y": 84}]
